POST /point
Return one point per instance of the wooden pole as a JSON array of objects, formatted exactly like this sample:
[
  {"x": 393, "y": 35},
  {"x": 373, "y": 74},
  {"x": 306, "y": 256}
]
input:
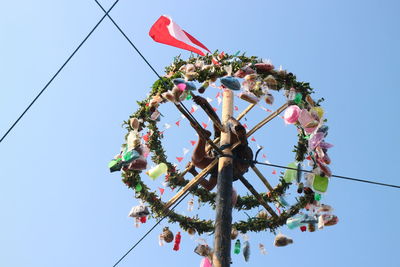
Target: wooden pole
[{"x": 223, "y": 220}]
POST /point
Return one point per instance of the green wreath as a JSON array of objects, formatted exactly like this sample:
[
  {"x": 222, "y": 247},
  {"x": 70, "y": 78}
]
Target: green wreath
[{"x": 205, "y": 70}]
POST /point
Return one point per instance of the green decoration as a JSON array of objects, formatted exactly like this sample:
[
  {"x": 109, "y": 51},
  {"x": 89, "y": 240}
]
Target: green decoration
[
  {"x": 138, "y": 187},
  {"x": 237, "y": 247},
  {"x": 320, "y": 183},
  {"x": 297, "y": 99},
  {"x": 290, "y": 175}
]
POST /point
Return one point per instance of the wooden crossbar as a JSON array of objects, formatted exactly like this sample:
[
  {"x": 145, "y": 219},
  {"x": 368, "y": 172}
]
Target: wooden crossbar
[
  {"x": 262, "y": 178},
  {"x": 267, "y": 119},
  {"x": 199, "y": 128},
  {"x": 245, "y": 111},
  {"x": 195, "y": 181},
  {"x": 257, "y": 195}
]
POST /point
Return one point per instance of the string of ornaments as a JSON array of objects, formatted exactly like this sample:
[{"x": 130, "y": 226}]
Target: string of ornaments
[{"x": 255, "y": 80}]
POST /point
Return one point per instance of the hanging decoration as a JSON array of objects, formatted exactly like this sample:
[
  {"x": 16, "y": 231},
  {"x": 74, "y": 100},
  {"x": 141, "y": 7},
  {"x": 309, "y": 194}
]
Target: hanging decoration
[
  {"x": 167, "y": 235},
  {"x": 256, "y": 81}
]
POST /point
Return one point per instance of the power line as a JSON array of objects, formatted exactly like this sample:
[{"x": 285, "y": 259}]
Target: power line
[
  {"x": 254, "y": 162},
  {"x": 130, "y": 42},
  {"x": 336, "y": 176},
  {"x": 190, "y": 116},
  {"x": 58, "y": 71},
  {"x": 149, "y": 231}
]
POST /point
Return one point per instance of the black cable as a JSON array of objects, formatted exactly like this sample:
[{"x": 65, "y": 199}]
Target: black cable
[
  {"x": 147, "y": 62},
  {"x": 192, "y": 117},
  {"x": 58, "y": 72},
  {"x": 187, "y": 111},
  {"x": 336, "y": 176},
  {"x": 149, "y": 231},
  {"x": 130, "y": 42}
]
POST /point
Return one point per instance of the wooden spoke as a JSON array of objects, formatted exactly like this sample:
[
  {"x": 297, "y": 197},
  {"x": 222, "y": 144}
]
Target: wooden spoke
[
  {"x": 258, "y": 196},
  {"x": 244, "y": 112},
  {"x": 198, "y": 128},
  {"x": 195, "y": 181},
  {"x": 216, "y": 122},
  {"x": 267, "y": 119},
  {"x": 262, "y": 178}
]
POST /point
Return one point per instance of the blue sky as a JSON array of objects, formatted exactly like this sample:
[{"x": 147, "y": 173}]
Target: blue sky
[{"x": 59, "y": 204}]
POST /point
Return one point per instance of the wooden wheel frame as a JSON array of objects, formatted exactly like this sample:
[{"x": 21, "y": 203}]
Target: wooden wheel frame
[{"x": 206, "y": 70}]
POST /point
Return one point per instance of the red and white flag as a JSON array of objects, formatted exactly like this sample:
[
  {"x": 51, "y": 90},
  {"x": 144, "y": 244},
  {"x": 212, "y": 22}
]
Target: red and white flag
[{"x": 166, "y": 31}]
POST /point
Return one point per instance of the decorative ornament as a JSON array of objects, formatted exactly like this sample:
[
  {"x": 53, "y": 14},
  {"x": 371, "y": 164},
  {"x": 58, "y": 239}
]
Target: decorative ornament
[
  {"x": 234, "y": 233},
  {"x": 190, "y": 204},
  {"x": 155, "y": 172},
  {"x": 139, "y": 211},
  {"x": 230, "y": 83},
  {"x": 191, "y": 231},
  {"x": 246, "y": 250},
  {"x": 177, "y": 241},
  {"x": 203, "y": 250},
  {"x": 281, "y": 240},
  {"x": 262, "y": 249},
  {"x": 292, "y": 113},
  {"x": 236, "y": 250},
  {"x": 167, "y": 235},
  {"x": 269, "y": 99}
]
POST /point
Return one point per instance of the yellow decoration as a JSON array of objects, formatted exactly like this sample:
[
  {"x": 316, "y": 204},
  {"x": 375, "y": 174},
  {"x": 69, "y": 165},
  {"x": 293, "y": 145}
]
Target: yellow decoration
[
  {"x": 319, "y": 111},
  {"x": 155, "y": 172}
]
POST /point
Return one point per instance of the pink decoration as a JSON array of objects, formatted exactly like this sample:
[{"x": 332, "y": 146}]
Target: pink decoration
[
  {"x": 204, "y": 125},
  {"x": 307, "y": 121},
  {"x": 181, "y": 86},
  {"x": 325, "y": 145},
  {"x": 138, "y": 164},
  {"x": 161, "y": 190},
  {"x": 177, "y": 123},
  {"x": 253, "y": 139},
  {"x": 236, "y": 108},
  {"x": 215, "y": 109},
  {"x": 292, "y": 113},
  {"x": 179, "y": 158},
  {"x": 274, "y": 172},
  {"x": 245, "y": 125},
  {"x": 205, "y": 262},
  {"x": 315, "y": 140},
  {"x": 193, "y": 142}
]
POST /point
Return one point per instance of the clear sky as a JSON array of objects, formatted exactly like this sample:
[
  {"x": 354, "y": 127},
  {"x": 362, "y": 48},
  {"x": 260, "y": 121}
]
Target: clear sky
[{"x": 59, "y": 204}]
